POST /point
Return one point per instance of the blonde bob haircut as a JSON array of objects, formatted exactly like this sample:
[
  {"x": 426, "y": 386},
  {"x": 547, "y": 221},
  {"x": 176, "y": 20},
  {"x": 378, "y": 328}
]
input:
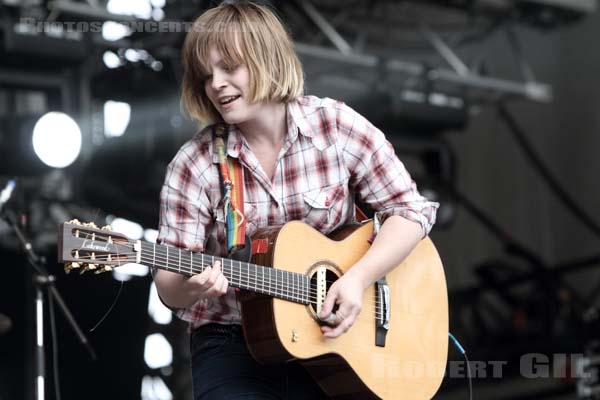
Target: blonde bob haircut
[{"x": 244, "y": 33}]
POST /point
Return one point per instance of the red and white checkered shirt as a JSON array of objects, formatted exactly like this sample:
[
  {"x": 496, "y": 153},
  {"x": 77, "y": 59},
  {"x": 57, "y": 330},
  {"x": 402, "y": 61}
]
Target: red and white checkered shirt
[{"x": 330, "y": 154}]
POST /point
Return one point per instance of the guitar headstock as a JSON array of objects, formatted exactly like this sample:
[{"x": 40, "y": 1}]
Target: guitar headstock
[{"x": 86, "y": 247}]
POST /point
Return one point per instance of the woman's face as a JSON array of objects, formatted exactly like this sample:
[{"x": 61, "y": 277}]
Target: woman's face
[{"x": 227, "y": 88}]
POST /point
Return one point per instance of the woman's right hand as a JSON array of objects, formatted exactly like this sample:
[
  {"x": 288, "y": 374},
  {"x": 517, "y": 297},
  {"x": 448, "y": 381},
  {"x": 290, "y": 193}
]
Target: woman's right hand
[{"x": 209, "y": 283}]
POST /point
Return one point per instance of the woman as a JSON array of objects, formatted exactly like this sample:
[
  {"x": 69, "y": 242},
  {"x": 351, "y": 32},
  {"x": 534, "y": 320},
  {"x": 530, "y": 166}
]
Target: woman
[{"x": 304, "y": 158}]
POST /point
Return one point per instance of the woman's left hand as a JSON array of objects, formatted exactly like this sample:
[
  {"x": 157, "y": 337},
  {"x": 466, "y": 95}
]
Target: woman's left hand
[{"x": 347, "y": 293}]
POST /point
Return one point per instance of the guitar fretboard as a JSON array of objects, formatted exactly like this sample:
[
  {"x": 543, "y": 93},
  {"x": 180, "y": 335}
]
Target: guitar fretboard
[{"x": 242, "y": 275}]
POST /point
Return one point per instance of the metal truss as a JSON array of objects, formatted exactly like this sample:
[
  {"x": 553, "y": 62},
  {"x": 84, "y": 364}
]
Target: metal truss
[{"x": 455, "y": 72}]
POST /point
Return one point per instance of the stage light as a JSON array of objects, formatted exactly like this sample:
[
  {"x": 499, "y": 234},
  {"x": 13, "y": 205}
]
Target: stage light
[
  {"x": 131, "y": 229},
  {"x": 111, "y": 60},
  {"x": 156, "y": 66},
  {"x": 158, "y": 352},
  {"x": 150, "y": 235},
  {"x": 134, "y": 55},
  {"x": 56, "y": 139},
  {"x": 157, "y": 310},
  {"x": 113, "y": 31},
  {"x": 128, "y": 271},
  {"x": 158, "y": 14},
  {"x": 116, "y": 118},
  {"x": 154, "y": 388}
]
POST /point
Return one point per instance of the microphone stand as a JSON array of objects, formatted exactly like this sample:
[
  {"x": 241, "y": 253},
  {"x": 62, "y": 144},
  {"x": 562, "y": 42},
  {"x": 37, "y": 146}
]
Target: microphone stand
[{"x": 43, "y": 280}]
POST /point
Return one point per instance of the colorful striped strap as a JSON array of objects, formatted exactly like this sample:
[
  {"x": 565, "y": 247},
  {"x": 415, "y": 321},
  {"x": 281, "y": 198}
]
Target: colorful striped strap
[{"x": 232, "y": 176}]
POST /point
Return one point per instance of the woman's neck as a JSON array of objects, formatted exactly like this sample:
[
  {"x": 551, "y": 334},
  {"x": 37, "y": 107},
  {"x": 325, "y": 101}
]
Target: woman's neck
[{"x": 268, "y": 127}]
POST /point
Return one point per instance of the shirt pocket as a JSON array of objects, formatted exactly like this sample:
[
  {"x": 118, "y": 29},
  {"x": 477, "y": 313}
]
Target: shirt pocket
[{"x": 324, "y": 208}]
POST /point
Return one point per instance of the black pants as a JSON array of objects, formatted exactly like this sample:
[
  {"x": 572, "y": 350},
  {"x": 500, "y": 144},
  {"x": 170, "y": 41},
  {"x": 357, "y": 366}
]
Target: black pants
[{"x": 223, "y": 369}]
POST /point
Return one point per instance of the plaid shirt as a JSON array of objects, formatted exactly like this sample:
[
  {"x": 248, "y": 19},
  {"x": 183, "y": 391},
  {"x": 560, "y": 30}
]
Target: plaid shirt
[{"x": 330, "y": 154}]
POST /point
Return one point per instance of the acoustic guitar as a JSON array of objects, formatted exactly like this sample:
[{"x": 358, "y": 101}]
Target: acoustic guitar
[{"x": 397, "y": 347}]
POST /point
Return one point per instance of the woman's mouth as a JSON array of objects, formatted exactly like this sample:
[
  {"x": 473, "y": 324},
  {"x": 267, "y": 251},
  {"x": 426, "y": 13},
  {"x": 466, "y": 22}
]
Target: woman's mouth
[{"x": 229, "y": 100}]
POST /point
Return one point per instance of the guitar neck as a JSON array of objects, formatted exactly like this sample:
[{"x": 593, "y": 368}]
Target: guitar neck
[{"x": 242, "y": 275}]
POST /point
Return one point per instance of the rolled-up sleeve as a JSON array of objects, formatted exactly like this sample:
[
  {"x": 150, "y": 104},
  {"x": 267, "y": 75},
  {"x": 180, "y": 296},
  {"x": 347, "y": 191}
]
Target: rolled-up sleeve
[{"x": 378, "y": 177}]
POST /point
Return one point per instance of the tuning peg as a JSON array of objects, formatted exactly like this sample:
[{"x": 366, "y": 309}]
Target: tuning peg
[
  {"x": 75, "y": 222},
  {"x": 88, "y": 267},
  {"x": 107, "y": 228},
  {"x": 106, "y": 268},
  {"x": 91, "y": 225},
  {"x": 70, "y": 266}
]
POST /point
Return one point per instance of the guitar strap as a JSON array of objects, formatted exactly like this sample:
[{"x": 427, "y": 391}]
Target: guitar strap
[{"x": 232, "y": 179}]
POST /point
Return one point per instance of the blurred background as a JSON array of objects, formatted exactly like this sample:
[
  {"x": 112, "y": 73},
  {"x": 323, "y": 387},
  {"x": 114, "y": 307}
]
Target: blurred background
[{"x": 493, "y": 105}]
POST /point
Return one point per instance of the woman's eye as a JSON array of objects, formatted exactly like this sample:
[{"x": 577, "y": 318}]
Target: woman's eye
[{"x": 230, "y": 68}]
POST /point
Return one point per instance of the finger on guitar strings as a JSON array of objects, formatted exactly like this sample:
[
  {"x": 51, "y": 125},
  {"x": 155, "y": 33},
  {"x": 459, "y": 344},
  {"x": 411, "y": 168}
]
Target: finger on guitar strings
[{"x": 342, "y": 320}]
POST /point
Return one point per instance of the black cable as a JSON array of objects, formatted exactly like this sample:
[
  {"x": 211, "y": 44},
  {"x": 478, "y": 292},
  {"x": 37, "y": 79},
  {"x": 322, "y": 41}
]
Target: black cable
[
  {"x": 464, "y": 353},
  {"x": 545, "y": 172},
  {"x": 54, "y": 336},
  {"x": 469, "y": 377}
]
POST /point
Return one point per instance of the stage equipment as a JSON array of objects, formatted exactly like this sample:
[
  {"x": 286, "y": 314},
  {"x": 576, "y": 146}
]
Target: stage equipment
[
  {"x": 57, "y": 139},
  {"x": 30, "y": 37},
  {"x": 545, "y": 14},
  {"x": 338, "y": 24},
  {"x": 6, "y": 193},
  {"x": 44, "y": 286},
  {"x": 429, "y": 111}
]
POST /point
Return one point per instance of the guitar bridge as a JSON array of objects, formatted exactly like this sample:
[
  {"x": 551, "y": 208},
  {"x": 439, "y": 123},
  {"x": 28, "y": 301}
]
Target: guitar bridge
[{"x": 382, "y": 311}]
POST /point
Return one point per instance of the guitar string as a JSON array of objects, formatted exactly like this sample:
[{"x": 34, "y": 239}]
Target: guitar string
[
  {"x": 247, "y": 275},
  {"x": 280, "y": 285},
  {"x": 285, "y": 286},
  {"x": 252, "y": 280},
  {"x": 163, "y": 251},
  {"x": 378, "y": 311}
]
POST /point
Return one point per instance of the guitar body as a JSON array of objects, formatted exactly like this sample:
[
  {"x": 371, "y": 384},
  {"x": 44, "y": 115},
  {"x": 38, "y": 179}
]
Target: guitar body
[
  {"x": 411, "y": 365},
  {"x": 281, "y": 323}
]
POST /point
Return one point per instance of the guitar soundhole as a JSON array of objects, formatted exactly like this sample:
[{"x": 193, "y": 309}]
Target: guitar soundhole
[{"x": 331, "y": 275}]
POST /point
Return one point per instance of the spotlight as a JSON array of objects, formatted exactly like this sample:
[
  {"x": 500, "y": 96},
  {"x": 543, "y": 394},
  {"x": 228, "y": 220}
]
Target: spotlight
[
  {"x": 56, "y": 139},
  {"x": 116, "y": 118},
  {"x": 131, "y": 229},
  {"x": 158, "y": 352},
  {"x": 157, "y": 310},
  {"x": 154, "y": 388},
  {"x": 111, "y": 60},
  {"x": 113, "y": 31}
]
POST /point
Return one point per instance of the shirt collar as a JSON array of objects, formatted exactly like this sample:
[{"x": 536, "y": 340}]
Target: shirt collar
[{"x": 297, "y": 121}]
